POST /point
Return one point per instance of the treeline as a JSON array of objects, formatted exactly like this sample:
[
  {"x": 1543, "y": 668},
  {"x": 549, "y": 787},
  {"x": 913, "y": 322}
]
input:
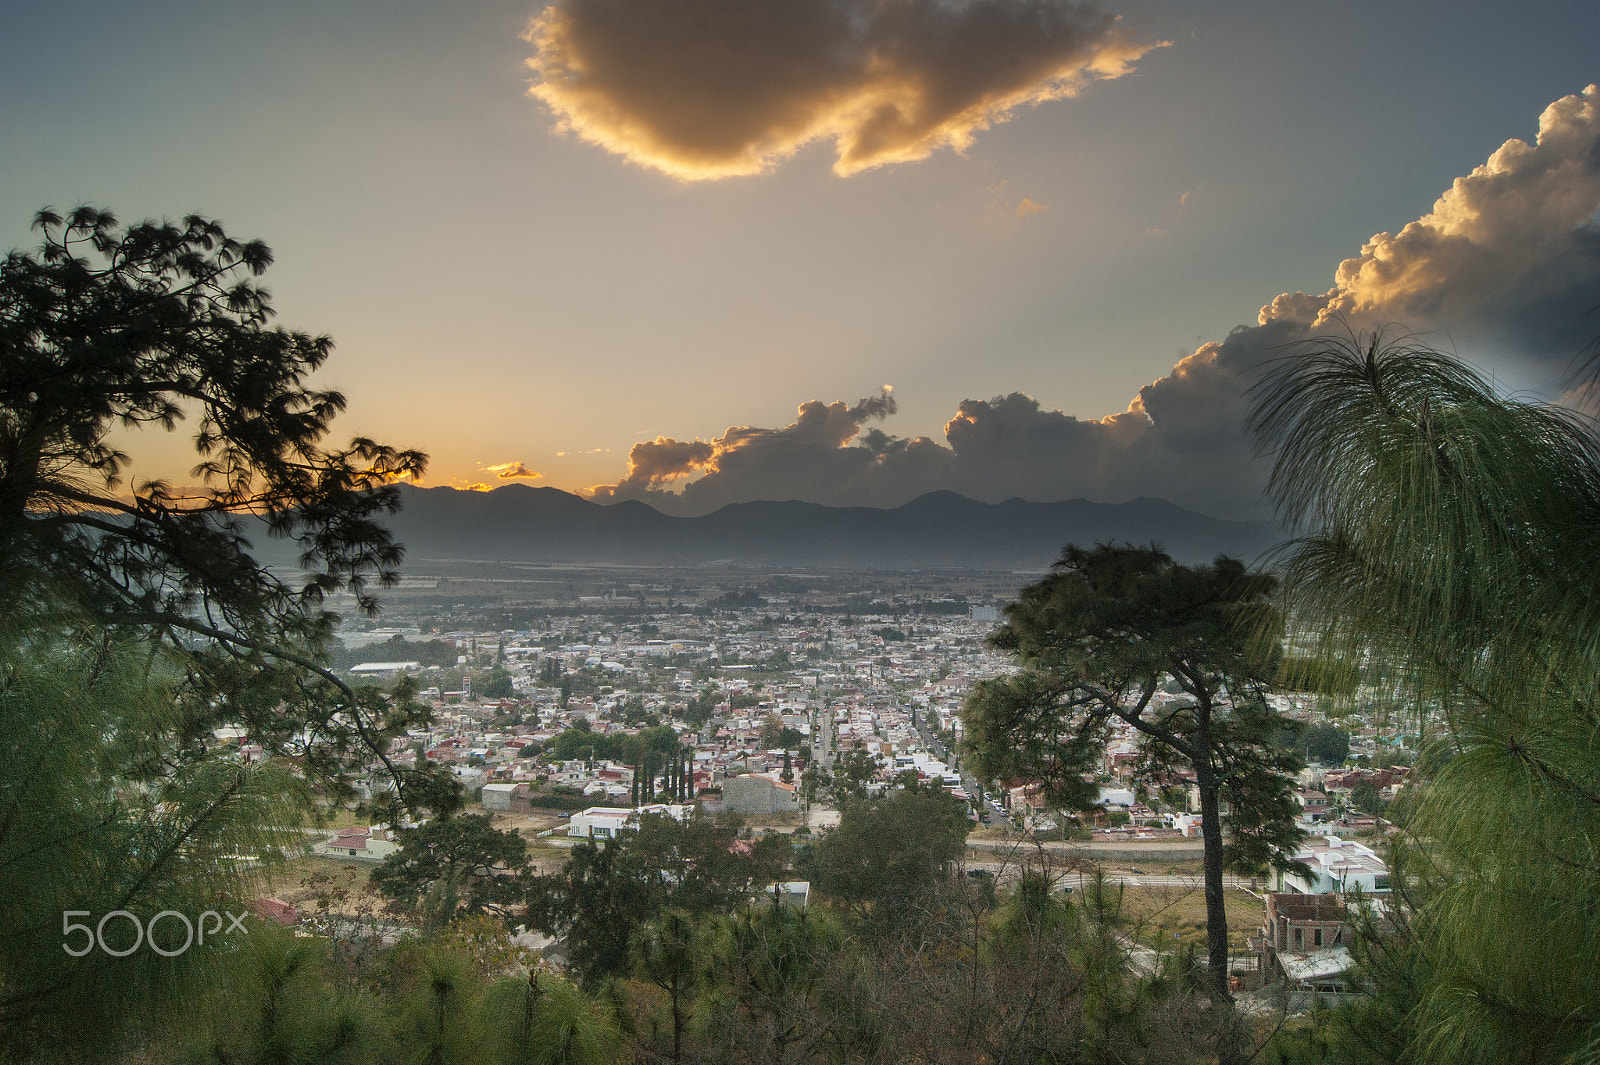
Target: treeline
[{"x": 681, "y": 956}]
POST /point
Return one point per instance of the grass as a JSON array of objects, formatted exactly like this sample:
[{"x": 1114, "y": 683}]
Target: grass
[{"x": 1159, "y": 912}]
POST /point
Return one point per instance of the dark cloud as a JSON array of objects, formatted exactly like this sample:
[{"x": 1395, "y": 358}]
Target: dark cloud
[
  {"x": 806, "y": 457},
  {"x": 715, "y": 88},
  {"x": 653, "y": 463},
  {"x": 1511, "y": 251}
]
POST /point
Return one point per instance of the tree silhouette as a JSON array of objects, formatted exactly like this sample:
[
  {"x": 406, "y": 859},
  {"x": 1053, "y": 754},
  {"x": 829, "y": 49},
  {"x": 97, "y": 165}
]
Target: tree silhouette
[
  {"x": 106, "y": 331},
  {"x": 1096, "y": 640}
]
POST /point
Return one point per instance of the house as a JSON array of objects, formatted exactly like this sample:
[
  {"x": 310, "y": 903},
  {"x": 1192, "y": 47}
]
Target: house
[
  {"x": 1337, "y": 866},
  {"x": 1314, "y": 804},
  {"x": 372, "y": 844},
  {"x": 501, "y": 796},
  {"x": 1305, "y": 941},
  {"x": 608, "y": 822}
]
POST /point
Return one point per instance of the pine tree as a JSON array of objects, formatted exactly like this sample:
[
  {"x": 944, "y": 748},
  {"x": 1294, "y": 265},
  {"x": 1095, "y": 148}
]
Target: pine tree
[
  {"x": 1453, "y": 535},
  {"x": 1096, "y": 641},
  {"x": 108, "y": 329}
]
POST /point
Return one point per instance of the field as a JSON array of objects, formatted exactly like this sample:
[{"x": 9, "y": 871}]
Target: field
[{"x": 1177, "y": 915}]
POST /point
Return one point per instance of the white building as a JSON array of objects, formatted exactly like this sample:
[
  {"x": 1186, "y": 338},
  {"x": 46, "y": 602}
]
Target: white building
[
  {"x": 608, "y": 822},
  {"x": 1338, "y": 866}
]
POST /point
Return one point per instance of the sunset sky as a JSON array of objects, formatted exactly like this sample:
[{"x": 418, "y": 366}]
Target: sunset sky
[{"x": 677, "y": 248}]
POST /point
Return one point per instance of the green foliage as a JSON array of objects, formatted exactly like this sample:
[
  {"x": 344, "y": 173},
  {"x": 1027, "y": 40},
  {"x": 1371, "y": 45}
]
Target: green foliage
[
  {"x": 460, "y": 863},
  {"x": 581, "y": 742},
  {"x": 774, "y": 734},
  {"x": 540, "y": 1020},
  {"x": 887, "y": 856},
  {"x": 1096, "y": 641},
  {"x": 1308, "y": 673},
  {"x": 1450, "y": 533},
  {"x": 701, "y": 707},
  {"x": 1322, "y": 742},
  {"x": 276, "y": 999},
  {"x": 775, "y": 996},
  {"x": 108, "y": 328},
  {"x": 497, "y": 685},
  {"x": 1368, "y": 797},
  {"x": 605, "y": 893},
  {"x": 667, "y": 952},
  {"x": 94, "y": 819},
  {"x": 853, "y": 770}
]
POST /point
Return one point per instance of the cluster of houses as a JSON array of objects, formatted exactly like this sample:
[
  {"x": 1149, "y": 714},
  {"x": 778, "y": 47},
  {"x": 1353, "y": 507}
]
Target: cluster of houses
[
  {"x": 836, "y": 683},
  {"x": 880, "y": 684}
]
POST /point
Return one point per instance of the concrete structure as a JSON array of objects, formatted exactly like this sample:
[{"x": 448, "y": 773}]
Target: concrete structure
[
  {"x": 608, "y": 822},
  {"x": 1305, "y": 942},
  {"x": 500, "y": 796},
  {"x": 792, "y": 893},
  {"x": 752, "y": 793},
  {"x": 1337, "y": 865}
]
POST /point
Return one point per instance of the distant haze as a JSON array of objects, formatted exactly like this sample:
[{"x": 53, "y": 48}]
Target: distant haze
[{"x": 936, "y": 531}]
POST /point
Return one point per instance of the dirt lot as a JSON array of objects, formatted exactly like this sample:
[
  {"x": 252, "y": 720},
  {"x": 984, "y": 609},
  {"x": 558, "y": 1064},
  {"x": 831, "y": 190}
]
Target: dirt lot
[
  {"x": 1159, "y": 912},
  {"x": 344, "y": 884}
]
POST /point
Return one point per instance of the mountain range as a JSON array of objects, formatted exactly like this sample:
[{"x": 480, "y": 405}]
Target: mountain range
[{"x": 940, "y": 530}]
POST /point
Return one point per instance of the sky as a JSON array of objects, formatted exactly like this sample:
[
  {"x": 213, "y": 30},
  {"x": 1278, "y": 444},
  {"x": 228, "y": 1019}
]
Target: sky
[{"x": 848, "y": 251}]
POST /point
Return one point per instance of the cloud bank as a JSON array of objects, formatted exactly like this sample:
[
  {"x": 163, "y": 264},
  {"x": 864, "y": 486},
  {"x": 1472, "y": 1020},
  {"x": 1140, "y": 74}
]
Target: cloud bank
[
  {"x": 704, "y": 89},
  {"x": 1510, "y": 252}
]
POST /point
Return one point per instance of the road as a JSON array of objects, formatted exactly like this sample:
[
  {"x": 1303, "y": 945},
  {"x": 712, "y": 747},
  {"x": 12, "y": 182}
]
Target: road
[{"x": 1121, "y": 876}]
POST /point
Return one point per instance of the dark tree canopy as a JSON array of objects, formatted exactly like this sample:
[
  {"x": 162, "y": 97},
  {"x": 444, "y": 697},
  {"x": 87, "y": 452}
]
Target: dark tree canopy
[
  {"x": 1097, "y": 640},
  {"x": 606, "y": 891},
  {"x": 886, "y": 857},
  {"x": 455, "y": 863},
  {"x": 106, "y": 331}
]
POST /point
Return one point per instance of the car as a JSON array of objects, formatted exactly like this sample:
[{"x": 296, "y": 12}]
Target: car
[{"x": 1135, "y": 870}]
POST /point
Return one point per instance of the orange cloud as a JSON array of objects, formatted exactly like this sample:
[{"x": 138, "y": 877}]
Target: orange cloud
[
  {"x": 1027, "y": 207},
  {"x": 703, "y": 89},
  {"x": 513, "y": 470}
]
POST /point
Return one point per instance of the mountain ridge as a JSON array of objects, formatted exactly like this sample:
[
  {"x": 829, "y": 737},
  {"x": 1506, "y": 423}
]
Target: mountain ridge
[{"x": 942, "y": 529}]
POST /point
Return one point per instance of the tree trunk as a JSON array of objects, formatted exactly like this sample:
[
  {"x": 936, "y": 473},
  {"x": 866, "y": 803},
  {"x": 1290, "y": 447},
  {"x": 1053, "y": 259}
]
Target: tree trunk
[
  {"x": 677, "y": 1022},
  {"x": 1216, "y": 904}
]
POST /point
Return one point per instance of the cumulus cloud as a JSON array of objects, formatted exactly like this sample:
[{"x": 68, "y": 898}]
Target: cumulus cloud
[
  {"x": 1027, "y": 207},
  {"x": 1506, "y": 246},
  {"x": 1511, "y": 252},
  {"x": 508, "y": 471},
  {"x": 715, "y": 88},
  {"x": 806, "y": 457}
]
